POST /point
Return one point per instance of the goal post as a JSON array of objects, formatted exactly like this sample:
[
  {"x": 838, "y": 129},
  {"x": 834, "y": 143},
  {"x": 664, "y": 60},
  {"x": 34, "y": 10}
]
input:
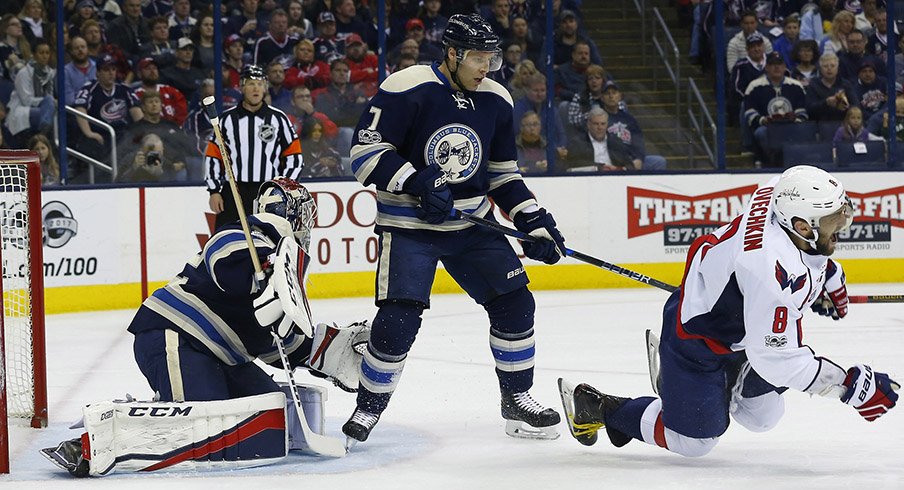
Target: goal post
[{"x": 23, "y": 379}]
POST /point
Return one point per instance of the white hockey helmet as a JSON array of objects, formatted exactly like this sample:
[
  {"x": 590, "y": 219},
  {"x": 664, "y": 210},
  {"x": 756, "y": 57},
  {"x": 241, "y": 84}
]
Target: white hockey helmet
[
  {"x": 810, "y": 194},
  {"x": 288, "y": 199}
]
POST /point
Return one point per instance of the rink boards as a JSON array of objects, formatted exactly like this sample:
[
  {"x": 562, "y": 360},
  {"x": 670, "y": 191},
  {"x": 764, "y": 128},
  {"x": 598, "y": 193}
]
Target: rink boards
[{"x": 106, "y": 248}]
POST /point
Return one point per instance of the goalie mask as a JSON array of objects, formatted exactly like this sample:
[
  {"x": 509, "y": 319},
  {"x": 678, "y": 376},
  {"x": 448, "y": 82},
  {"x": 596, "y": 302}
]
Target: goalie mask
[
  {"x": 288, "y": 199},
  {"x": 813, "y": 195}
]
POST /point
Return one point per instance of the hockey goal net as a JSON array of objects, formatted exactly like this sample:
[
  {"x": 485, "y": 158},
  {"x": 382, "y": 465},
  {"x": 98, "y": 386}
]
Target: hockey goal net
[{"x": 23, "y": 386}]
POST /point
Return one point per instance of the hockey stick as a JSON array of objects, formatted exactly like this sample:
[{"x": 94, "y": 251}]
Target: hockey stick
[
  {"x": 617, "y": 269},
  {"x": 211, "y": 109},
  {"x": 637, "y": 276},
  {"x": 320, "y": 444}
]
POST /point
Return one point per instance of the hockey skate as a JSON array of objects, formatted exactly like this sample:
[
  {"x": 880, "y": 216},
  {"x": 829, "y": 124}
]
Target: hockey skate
[
  {"x": 653, "y": 360},
  {"x": 358, "y": 427},
  {"x": 527, "y": 419},
  {"x": 586, "y": 409},
  {"x": 68, "y": 456}
]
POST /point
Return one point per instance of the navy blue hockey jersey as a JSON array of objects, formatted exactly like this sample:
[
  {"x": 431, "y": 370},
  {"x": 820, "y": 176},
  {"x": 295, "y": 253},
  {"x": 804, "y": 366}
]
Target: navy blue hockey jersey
[
  {"x": 417, "y": 119},
  {"x": 210, "y": 300}
]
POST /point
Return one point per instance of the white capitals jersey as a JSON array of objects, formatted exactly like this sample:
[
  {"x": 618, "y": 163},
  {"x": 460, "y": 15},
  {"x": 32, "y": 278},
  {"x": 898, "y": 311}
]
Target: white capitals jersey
[{"x": 746, "y": 287}]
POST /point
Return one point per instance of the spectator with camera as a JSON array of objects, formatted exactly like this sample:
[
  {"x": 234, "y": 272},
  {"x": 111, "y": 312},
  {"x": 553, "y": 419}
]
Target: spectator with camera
[{"x": 151, "y": 163}]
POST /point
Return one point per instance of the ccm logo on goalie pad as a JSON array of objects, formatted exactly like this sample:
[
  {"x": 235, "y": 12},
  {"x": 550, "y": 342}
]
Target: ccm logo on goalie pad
[{"x": 157, "y": 412}]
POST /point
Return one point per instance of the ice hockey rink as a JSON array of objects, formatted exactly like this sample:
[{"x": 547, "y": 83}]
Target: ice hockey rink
[{"x": 443, "y": 430}]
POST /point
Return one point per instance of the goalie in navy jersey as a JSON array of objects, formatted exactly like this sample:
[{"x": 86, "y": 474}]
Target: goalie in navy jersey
[
  {"x": 732, "y": 337},
  {"x": 432, "y": 139},
  {"x": 198, "y": 337}
]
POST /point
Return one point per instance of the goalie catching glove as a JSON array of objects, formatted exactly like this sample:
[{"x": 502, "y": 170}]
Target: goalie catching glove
[
  {"x": 870, "y": 393},
  {"x": 833, "y": 301}
]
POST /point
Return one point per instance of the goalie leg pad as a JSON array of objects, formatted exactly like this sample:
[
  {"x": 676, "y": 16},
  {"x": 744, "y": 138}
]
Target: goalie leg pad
[{"x": 194, "y": 436}]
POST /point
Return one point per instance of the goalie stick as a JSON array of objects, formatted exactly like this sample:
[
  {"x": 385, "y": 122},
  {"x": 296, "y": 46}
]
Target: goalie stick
[
  {"x": 637, "y": 276},
  {"x": 320, "y": 444}
]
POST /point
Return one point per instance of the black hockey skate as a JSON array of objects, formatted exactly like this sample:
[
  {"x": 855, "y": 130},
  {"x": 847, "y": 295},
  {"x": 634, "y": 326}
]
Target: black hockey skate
[
  {"x": 68, "y": 456},
  {"x": 520, "y": 408},
  {"x": 586, "y": 409},
  {"x": 359, "y": 426}
]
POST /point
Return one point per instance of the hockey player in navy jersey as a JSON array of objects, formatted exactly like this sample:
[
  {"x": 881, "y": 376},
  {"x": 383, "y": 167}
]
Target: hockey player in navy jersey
[
  {"x": 732, "y": 338},
  {"x": 432, "y": 139}
]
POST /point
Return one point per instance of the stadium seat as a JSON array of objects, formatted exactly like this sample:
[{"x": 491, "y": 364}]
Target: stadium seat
[
  {"x": 781, "y": 133},
  {"x": 849, "y": 158},
  {"x": 827, "y": 130},
  {"x": 816, "y": 154},
  {"x": 6, "y": 91}
]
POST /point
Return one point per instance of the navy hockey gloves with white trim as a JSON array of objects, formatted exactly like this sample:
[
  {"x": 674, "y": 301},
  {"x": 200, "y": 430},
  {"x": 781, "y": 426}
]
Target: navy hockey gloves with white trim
[
  {"x": 833, "y": 301},
  {"x": 551, "y": 245},
  {"x": 429, "y": 184},
  {"x": 870, "y": 393}
]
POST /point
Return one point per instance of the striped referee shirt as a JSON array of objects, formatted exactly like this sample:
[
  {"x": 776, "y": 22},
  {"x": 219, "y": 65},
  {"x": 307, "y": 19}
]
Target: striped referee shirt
[{"x": 262, "y": 145}]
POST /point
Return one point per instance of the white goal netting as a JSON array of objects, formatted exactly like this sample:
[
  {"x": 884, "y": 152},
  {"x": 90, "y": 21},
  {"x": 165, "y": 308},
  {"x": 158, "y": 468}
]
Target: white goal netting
[{"x": 17, "y": 290}]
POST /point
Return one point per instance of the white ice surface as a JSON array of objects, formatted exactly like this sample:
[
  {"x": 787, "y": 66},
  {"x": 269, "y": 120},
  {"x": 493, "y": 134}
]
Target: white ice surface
[{"x": 442, "y": 429}]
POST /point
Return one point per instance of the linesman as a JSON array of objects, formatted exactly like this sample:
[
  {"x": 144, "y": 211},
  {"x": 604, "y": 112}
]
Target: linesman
[{"x": 262, "y": 145}]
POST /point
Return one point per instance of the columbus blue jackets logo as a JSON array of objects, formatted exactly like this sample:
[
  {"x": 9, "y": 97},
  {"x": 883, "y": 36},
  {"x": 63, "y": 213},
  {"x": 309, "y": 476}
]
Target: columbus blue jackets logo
[
  {"x": 456, "y": 149},
  {"x": 779, "y": 105},
  {"x": 781, "y": 275},
  {"x": 114, "y": 111}
]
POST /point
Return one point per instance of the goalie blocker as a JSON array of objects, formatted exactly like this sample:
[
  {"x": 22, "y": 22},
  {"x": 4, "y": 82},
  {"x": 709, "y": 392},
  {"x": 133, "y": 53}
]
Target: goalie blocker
[{"x": 132, "y": 436}]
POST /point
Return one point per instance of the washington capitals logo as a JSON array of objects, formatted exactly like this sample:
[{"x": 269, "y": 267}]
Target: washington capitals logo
[{"x": 781, "y": 275}]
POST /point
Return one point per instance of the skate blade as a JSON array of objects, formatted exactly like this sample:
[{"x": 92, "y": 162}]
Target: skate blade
[
  {"x": 350, "y": 442},
  {"x": 653, "y": 359},
  {"x": 566, "y": 392},
  {"x": 521, "y": 430},
  {"x": 56, "y": 458}
]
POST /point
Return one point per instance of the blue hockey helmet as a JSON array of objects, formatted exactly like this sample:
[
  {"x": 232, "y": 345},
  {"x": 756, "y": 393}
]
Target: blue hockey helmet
[
  {"x": 472, "y": 32},
  {"x": 288, "y": 199}
]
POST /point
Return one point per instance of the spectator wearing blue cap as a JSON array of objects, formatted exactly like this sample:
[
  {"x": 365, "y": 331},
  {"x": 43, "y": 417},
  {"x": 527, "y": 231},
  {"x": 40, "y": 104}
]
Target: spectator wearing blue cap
[{"x": 737, "y": 45}]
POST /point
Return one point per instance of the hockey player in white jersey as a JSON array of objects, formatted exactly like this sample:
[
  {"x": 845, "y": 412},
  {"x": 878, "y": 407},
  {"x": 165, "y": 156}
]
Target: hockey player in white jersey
[
  {"x": 197, "y": 340},
  {"x": 732, "y": 335}
]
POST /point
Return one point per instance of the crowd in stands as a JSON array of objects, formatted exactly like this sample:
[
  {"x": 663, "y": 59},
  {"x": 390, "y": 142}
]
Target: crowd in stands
[
  {"x": 142, "y": 66},
  {"x": 802, "y": 72},
  {"x": 812, "y": 69}
]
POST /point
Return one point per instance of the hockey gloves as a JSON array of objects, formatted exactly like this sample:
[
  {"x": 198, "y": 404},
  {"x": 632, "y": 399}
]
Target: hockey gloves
[
  {"x": 268, "y": 311},
  {"x": 551, "y": 245},
  {"x": 834, "y": 299},
  {"x": 870, "y": 393},
  {"x": 429, "y": 184}
]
